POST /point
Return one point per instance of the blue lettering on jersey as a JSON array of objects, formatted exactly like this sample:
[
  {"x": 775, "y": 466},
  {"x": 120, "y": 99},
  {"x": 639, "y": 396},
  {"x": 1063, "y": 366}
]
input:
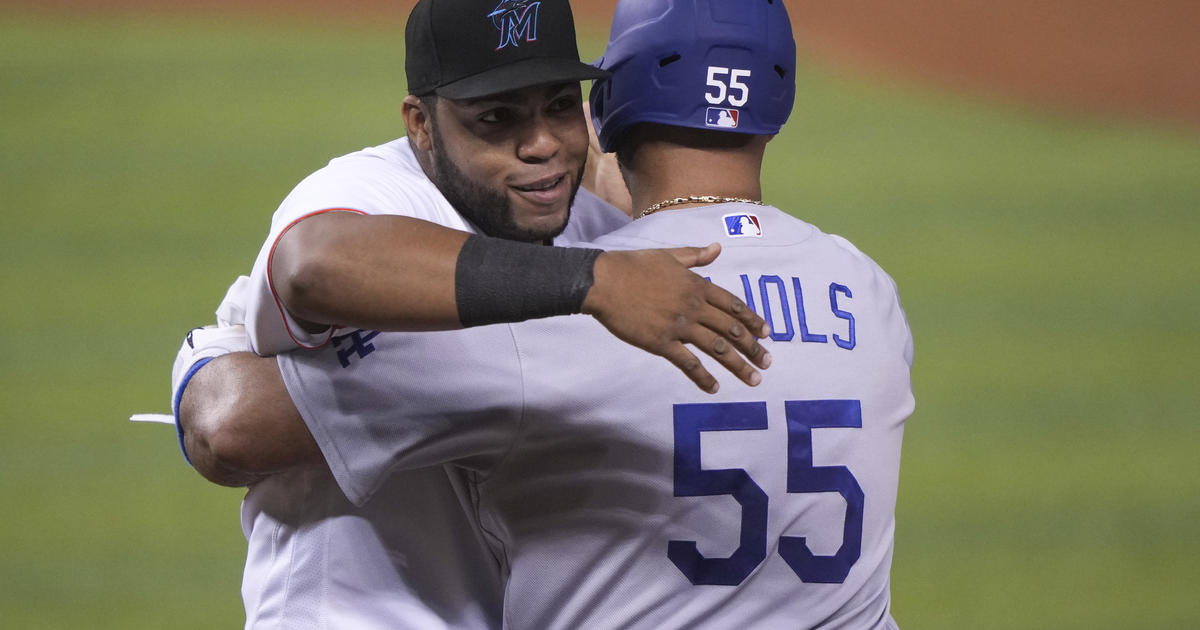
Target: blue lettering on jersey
[
  {"x": 693, "y": 481},
  {"x": 359, "y": 345},
  {"x": 834, "y": 289},
  {"x": 805, "y": 336},
  {"x": 749, "y": 293},
  {"x": 803, "y": 477},
  {"x": 787, "y": 328},
  {"x": 777, "y": 282}
]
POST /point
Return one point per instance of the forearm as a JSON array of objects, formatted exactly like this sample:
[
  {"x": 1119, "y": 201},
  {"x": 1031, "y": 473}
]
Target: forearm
[
  {"x": 239, "y": 424},
  {"x": 402, "y": 274},
  {"x": 371, "y": 272}
]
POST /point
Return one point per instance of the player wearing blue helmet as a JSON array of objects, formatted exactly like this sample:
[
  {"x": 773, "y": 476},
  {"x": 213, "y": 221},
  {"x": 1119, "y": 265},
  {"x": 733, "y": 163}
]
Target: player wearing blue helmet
[{"x": 612, "y": 492}]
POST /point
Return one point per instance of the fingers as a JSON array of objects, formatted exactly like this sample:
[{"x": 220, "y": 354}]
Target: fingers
[
  {"x": 723, "y": 327},
  {"x": 723, "y": 332},
  {"x": 715, "y": 295},
  {"x": 695, "y": 256},
  {"x": 663, "y": 308},
  {"x": 687, "y": 363},
  {"x": 735, "y": 337},
  {"x": 723, "y": 337},
  {"x": 719, "y": 348},
  {"x": 735, "y": 308}
]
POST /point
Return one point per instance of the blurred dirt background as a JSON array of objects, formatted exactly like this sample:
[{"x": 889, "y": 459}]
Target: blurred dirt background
[{"x": 1138, "y": 58}]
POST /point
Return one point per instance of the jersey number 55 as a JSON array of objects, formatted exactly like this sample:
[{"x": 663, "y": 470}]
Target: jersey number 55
[{"x": 802, "y": 477}]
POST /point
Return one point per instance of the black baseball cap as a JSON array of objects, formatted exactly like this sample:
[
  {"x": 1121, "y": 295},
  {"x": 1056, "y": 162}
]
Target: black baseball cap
[{"x": 472, "y": 48}]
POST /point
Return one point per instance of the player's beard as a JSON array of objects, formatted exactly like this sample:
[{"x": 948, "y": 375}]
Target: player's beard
[{"x": 490, "y": 210}]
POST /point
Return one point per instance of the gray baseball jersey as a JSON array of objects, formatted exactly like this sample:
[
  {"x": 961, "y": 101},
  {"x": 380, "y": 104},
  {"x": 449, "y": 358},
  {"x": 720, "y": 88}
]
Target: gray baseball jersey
[
  {"x": 613, "y": 491},
  {"x": 411, "y": 557}
]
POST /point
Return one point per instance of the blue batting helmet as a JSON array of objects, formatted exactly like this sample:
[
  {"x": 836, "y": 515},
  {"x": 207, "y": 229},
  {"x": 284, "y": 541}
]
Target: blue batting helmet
[{"x": 726, "y": 65}]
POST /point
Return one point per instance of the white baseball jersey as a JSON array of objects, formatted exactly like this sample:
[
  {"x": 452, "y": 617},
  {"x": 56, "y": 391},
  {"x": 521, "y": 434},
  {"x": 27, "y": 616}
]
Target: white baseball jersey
[
  {"x": 614, "y": 492},
  {"x": 411, "y": 557},
  {"x": 378, "y": 180},
  {"x": 407, "y": 559}
]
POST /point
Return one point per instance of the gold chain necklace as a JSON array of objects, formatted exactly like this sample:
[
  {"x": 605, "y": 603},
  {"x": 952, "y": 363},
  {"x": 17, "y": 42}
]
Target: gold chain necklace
[{"x": 694, "y": 199}]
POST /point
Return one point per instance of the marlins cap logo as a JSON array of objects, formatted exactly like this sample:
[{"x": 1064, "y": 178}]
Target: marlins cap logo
[
  {"x": 722, "y": 117},
  {"x": 742, "y": 225},
  {"x": 516, "y": 19}
]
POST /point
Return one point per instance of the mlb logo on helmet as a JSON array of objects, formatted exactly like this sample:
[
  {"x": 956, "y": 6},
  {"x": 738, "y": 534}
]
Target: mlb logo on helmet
[
  {"x": 722, "y": 117},
  {"x": 742, "y": 225}
]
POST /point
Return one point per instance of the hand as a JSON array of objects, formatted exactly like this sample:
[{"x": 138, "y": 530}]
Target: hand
[
  {"x": 650, "y": 299},
  {"x": 602, "y": 175},
  {"x": 206, "y": 342}
]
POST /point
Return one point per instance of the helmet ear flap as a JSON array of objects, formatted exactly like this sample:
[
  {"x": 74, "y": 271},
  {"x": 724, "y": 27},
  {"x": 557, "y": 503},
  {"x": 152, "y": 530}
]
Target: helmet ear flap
[{"x": 599, "y": 101}]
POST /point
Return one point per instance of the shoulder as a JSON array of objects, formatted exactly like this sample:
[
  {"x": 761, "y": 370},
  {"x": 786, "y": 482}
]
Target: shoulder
[
  {"x": 832, "y": 247},
  {"x": 378, "y": 180},
  {"x": 880, "y": 284},
  {"x": 591, "y": 218},
  {"x": 388, "y": 164},
  {"x": 852, "y": 253}
]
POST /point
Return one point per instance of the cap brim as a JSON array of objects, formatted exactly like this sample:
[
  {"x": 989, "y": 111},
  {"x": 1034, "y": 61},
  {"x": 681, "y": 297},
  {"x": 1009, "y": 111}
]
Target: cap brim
[{"x": 519, "y": 75}]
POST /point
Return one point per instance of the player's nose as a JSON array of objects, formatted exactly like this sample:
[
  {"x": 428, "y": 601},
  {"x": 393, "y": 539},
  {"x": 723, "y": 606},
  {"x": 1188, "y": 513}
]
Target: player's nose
[{"x": 539, "y": 142}]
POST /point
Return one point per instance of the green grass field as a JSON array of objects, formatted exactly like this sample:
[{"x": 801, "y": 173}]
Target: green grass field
[{"x": 1048, "y": 266}]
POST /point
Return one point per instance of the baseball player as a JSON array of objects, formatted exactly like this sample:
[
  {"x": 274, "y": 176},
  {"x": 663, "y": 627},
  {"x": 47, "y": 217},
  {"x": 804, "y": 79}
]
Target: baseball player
[
  {"x": 496, "y": 139},
  {"x": 614, "y": 494},
  {"x": 411, "y": 558}
]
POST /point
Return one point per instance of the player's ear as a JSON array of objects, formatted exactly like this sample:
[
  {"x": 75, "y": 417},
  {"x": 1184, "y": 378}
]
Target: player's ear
[{"x": 418, "y": 120}]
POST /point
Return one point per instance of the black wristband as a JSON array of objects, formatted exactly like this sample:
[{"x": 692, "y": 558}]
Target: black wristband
[{"x": 499, "y": 281}]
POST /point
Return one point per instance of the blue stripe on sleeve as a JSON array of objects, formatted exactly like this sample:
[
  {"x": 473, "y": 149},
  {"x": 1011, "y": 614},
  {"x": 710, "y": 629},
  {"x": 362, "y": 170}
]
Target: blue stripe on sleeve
[{"x": 179, "y": 397}]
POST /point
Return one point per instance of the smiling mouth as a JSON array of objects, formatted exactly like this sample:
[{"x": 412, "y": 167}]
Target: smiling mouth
[{"x": 541, "y": 186}]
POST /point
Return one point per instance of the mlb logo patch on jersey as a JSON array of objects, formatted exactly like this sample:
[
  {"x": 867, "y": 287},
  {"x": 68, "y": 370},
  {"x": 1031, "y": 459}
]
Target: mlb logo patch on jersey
[
  {"x": 742, "y": 225},
  {"x": 722, "y": 117}
]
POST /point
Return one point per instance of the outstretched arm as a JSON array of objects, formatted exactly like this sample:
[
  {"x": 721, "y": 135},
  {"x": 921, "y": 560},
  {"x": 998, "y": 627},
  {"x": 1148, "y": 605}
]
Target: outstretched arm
[{"x": 397, "y": 273}]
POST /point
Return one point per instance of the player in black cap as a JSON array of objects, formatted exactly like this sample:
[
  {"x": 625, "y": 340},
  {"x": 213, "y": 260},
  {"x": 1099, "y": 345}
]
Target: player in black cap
[
  {"x": 494, "y": 118},
  {"x": 495, "y": 146}
]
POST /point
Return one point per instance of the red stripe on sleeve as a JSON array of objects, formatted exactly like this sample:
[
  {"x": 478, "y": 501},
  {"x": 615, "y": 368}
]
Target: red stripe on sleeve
[{"x": 271, "y": 279}]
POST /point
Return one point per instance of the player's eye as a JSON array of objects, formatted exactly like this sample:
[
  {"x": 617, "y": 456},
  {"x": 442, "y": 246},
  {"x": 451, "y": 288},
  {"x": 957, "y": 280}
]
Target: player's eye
[
  {"x": 564, "y": 104},
  {"x": 495, "y": 116}
]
